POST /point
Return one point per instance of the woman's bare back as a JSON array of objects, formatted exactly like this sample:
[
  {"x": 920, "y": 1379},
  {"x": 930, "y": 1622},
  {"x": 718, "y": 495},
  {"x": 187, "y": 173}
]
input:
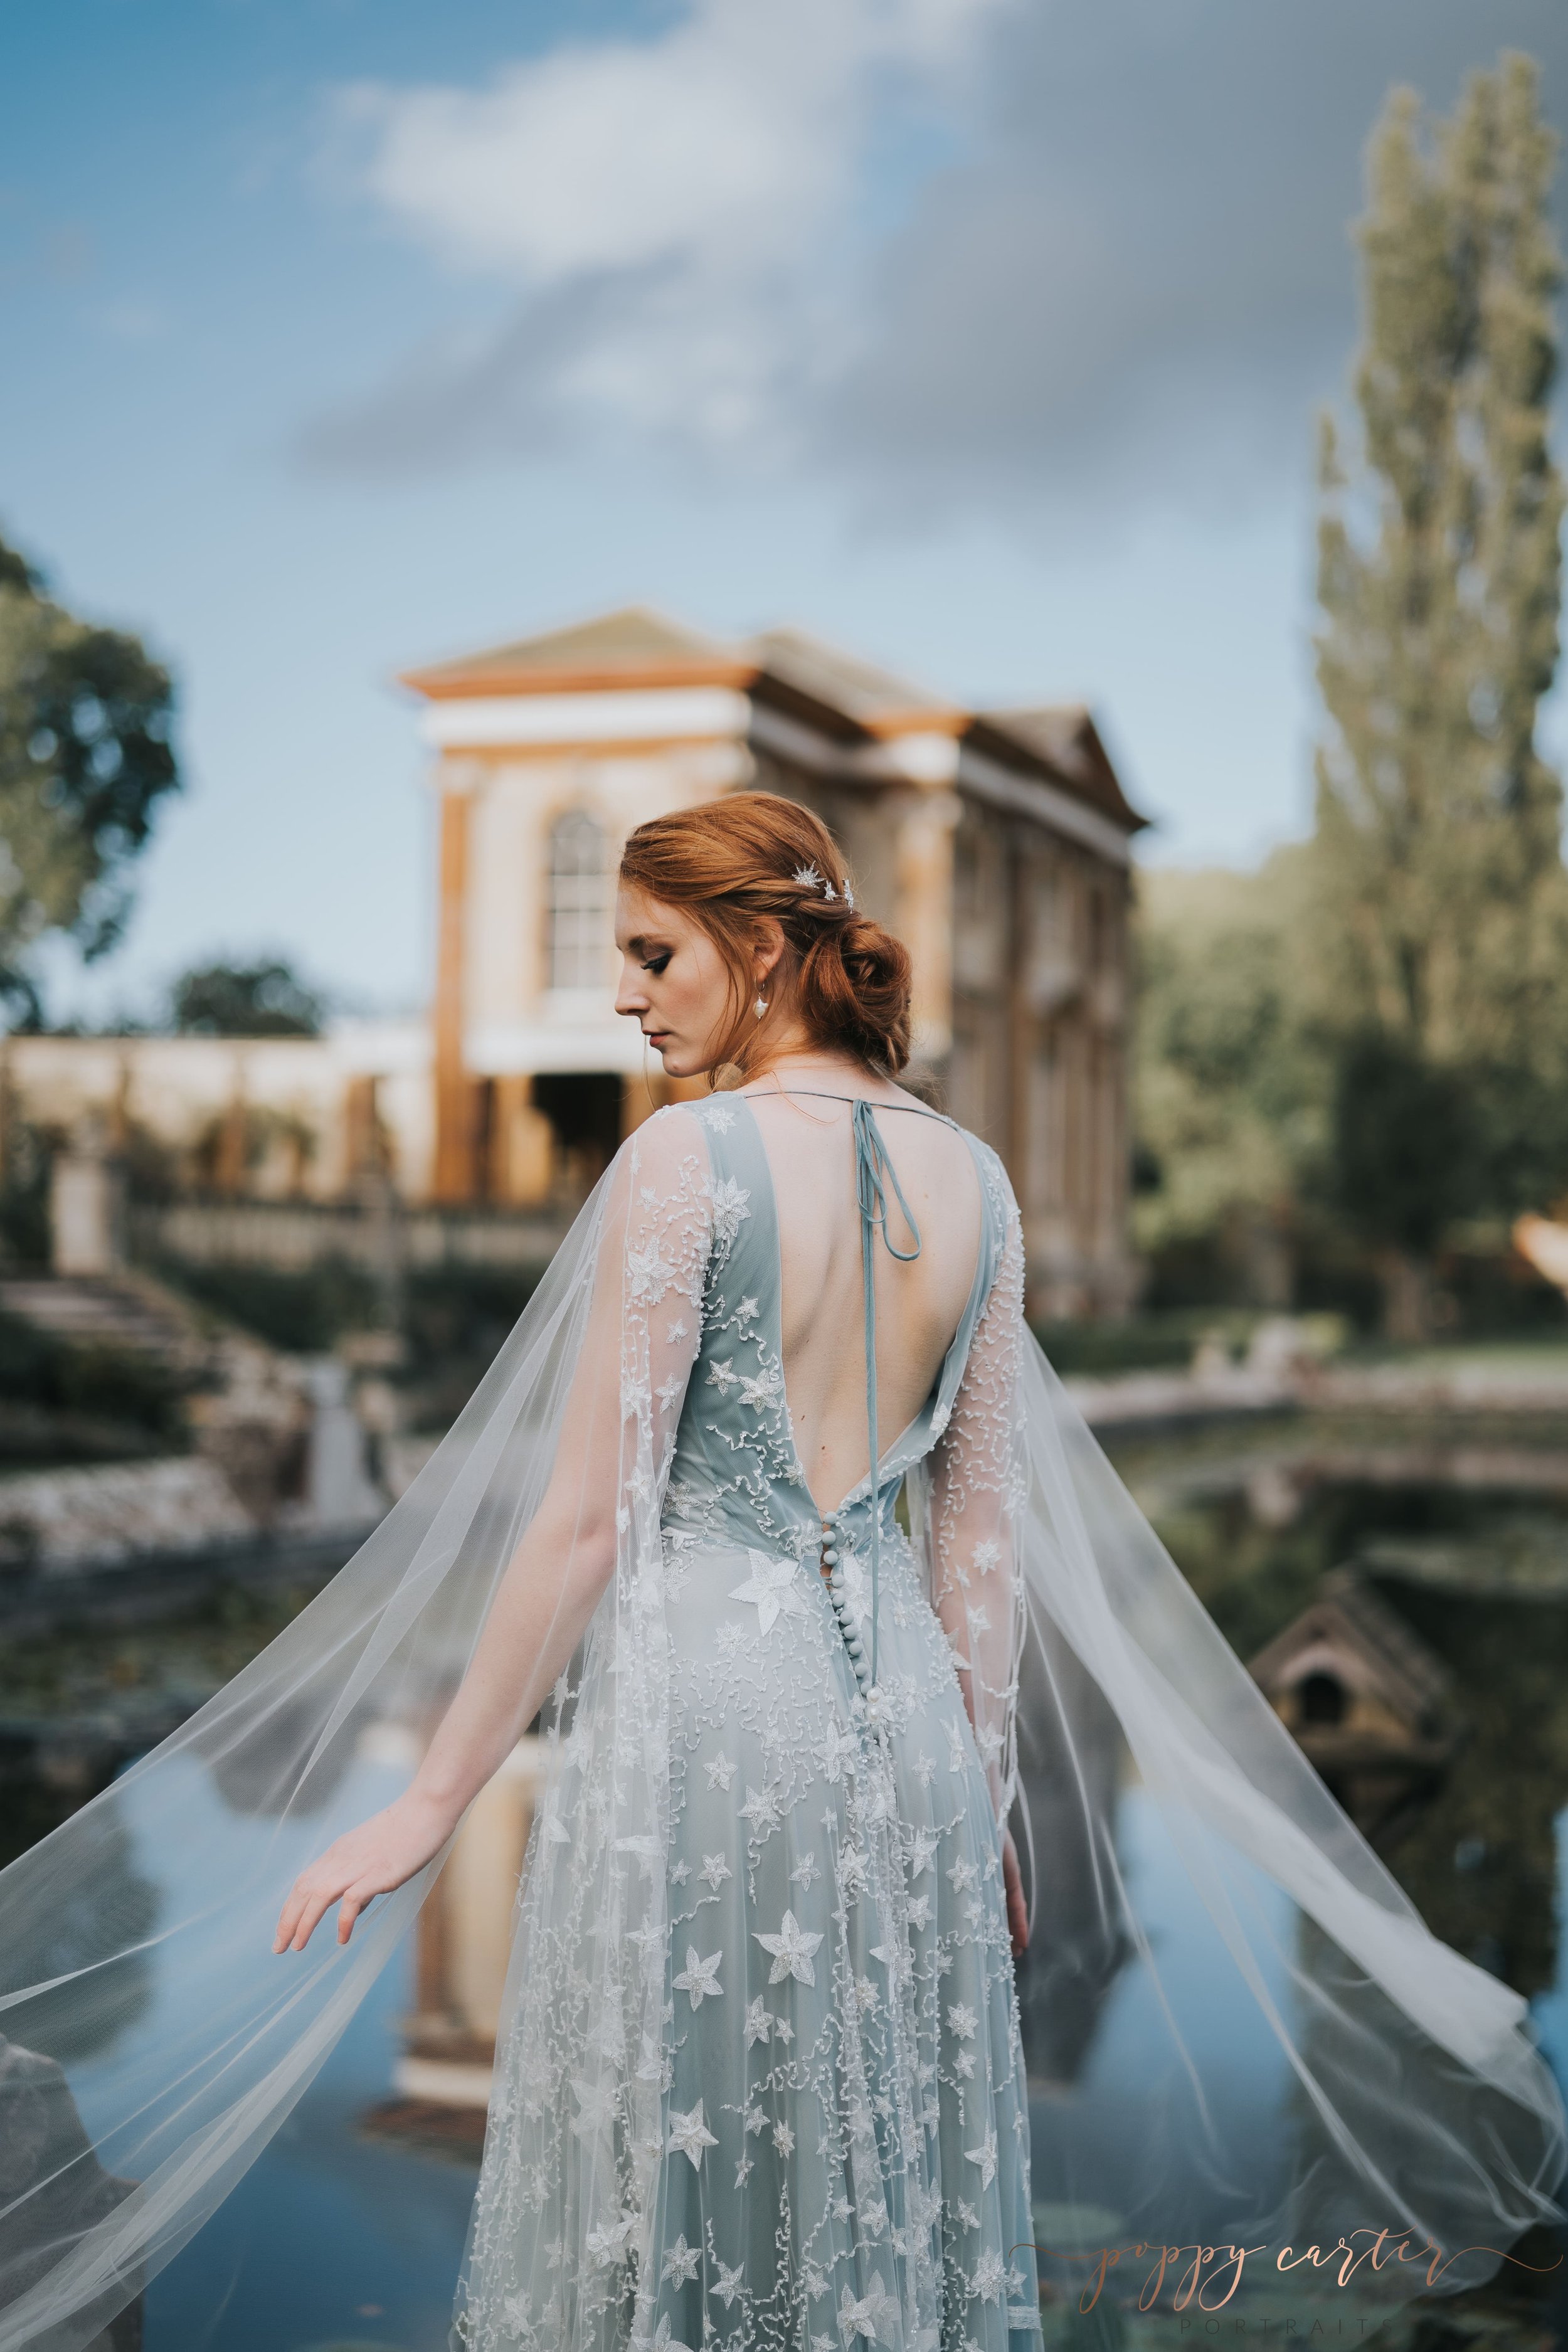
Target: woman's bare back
[{"x": 810, "y": 1148}]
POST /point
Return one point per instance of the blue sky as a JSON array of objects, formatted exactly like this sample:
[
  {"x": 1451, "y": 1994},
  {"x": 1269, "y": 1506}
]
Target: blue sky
[{"x": 983, "y": 336}]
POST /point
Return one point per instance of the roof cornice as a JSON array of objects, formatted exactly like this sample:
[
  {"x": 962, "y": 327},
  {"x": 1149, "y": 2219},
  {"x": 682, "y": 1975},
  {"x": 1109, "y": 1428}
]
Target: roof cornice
[
  {"x": 996, "y": 750},
  {"x": 453, "y": 682}
]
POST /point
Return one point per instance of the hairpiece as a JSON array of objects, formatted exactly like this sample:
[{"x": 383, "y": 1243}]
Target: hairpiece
[{"x": 807, "y": 878}]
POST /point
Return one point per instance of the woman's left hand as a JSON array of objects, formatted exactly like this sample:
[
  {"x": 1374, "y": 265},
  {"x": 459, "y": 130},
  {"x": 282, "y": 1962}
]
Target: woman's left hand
[
  {"x": 379, "y": 1855},
  {"x": 1013, "y": 1888}
]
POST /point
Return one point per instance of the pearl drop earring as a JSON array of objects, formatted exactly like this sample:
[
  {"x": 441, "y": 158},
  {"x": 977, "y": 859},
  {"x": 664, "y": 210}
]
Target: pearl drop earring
[{"x": 760, "y": 1006}]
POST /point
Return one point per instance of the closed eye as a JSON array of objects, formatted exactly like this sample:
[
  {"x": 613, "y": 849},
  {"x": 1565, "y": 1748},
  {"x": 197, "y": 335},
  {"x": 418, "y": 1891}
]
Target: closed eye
[{"x": 655, "y": 964}]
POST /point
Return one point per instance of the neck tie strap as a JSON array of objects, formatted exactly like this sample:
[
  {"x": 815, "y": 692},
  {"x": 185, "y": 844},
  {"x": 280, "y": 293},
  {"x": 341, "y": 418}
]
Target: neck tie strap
[{"x": 874, "y": 1172}]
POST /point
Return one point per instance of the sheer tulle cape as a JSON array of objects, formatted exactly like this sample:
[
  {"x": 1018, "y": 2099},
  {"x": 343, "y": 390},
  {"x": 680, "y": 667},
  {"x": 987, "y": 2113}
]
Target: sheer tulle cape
[
  {"x": 1171, "y": 1813},
  {"x": 183, "y": 2039},
  {"x": 1409, "y": 2096}
]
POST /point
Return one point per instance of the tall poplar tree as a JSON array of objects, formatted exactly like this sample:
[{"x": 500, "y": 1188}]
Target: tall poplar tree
[
  {"x": 1440, "y": 902},
  {"x": 1439, "y": 579}
]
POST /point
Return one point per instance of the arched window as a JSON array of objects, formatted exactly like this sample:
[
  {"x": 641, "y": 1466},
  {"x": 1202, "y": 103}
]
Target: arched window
[{"x": 580, "y": 902}]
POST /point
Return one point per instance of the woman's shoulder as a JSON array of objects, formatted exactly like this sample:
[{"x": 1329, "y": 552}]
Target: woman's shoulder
[
  {"x": 988, "y": 1159},
  {"x": 685, "y": 1119},
  {"x": 995, "y": 1184},
  {"x": 985, "y": 1153},
  {"x": 690, "y": 1140},
  {"x": 670, "y": 1139}
]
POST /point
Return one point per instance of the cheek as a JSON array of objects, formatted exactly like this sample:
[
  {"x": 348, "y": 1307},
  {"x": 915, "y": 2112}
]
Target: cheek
[{"x": 694, "y": 986}]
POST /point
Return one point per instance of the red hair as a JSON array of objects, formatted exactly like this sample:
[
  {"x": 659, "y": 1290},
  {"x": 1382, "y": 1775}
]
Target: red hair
[{"x": 734, "y": 862}]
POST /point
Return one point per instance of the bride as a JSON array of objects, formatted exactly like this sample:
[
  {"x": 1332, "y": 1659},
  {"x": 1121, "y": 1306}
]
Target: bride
[
  {"x": 768, "y": 1511},
  {"x": 761, "y": 2071}
]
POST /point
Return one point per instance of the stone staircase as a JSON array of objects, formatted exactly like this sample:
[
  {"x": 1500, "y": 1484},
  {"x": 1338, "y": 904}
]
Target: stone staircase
[
  {"x": 273, "y": 1453},
  {"x": 127, "y": 1315}
]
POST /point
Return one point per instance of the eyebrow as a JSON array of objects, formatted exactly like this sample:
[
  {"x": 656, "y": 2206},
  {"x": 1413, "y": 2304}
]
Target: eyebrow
[{"x": 641, "y": 941}]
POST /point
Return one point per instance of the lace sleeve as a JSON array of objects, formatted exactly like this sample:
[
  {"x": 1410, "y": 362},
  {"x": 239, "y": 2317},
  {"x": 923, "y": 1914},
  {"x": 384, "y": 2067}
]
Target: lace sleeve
[
  {"x": 975, "y": 1501},
  {"x": 599, "y": 1512},
  {"x": 664, "y": 1212}
]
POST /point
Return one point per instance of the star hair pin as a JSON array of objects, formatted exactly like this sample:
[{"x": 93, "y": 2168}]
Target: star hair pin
[{"x": 807, "y": 878}]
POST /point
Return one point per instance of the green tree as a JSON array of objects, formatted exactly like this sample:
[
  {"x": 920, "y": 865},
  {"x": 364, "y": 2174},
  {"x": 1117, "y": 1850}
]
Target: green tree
[
  {"x": 1442, "y": 913},
  {"x": 1406, "y": 1162},
  {"x": 85, "y": 758},
  {"x": 1231, "y": 1092},
  {"x": 258, "y": 999}
]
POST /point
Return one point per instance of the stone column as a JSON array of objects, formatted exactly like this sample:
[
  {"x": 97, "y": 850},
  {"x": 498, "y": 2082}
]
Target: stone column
[
  {"x": 465, "y": 1932},
  {"x": 922, "y": 913},
  {"x": 85, "y": 1205},
  {"x": 522, "y": 1147},
  {"x": 454, "y": 1104},
  {"x": 338, "y": 1491},
  {"x": 228, "y": 1155}
]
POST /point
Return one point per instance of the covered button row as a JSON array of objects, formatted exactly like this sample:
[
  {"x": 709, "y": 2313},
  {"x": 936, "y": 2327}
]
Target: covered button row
[{"x": 830, "y": 1560}]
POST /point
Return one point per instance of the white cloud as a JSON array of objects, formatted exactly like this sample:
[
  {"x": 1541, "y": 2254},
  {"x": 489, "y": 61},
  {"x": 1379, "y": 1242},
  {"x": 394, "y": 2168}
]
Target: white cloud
[
  {"x": 729, "y": 143},
  {"x": 678, "y": 212},
  {"x": 999, "y": 253}
]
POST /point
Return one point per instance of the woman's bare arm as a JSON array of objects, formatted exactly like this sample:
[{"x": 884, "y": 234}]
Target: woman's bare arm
[{"x": 537, "y": 1620}]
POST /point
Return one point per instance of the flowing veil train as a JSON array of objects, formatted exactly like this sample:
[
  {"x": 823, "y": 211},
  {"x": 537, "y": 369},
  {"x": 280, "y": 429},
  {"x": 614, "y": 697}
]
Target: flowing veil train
[{"x": 1405, "y": 2095}]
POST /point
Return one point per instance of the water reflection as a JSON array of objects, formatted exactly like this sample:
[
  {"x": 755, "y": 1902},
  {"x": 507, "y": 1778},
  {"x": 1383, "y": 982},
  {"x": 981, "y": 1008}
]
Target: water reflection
[
  {"x": 329, "y": 2240},
  {"x": 1481, "y": 1861},
  {"x": 1069, "y": 1760},
  {"x": 52, "y": 2187},
  {"x": 256, "y": 1770},
  {"x": 92, "y": 1928},
  {"x": 1478, "y": 1584},
  {"x": 1128, "y": 2135},
  {"x": 1126, "y": 2152},
  {"x": 332, "y": 2239}
]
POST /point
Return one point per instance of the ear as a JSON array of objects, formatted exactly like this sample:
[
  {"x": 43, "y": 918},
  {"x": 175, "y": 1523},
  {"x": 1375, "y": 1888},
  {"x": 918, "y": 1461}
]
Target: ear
[{"x": 769, "y": 945}]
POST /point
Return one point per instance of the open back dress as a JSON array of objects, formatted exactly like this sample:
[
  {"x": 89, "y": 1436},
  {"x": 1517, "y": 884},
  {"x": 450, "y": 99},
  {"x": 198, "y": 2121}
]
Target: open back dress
[{"x": 843, "y": 2151}]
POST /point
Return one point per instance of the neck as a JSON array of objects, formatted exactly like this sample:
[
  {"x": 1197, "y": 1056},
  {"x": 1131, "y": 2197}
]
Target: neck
[{"x": 800, "y": 1065}]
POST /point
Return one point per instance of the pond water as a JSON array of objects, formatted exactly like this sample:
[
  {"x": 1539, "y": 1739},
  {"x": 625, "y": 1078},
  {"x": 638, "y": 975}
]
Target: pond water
[
  {"x": 338, "y": 2241},
  {"x": 1459, "y": 1530},
  {"x": 332, "y": 2239}
]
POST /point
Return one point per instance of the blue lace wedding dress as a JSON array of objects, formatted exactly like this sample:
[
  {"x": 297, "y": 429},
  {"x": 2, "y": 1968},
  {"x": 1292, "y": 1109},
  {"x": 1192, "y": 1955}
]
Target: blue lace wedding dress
[{"x": 840, "y": 2152}]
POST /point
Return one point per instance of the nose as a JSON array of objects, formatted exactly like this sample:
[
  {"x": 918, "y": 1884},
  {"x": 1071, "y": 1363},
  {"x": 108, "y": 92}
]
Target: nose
[{"x": 630, "y": 996}]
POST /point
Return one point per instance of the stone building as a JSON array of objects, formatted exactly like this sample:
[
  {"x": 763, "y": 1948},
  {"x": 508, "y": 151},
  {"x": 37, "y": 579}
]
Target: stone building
[{"x": 995, "y": 843}]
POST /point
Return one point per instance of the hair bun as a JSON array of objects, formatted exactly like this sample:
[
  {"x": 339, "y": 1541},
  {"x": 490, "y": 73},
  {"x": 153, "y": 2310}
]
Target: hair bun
[{"x": 853, "y": 990}]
